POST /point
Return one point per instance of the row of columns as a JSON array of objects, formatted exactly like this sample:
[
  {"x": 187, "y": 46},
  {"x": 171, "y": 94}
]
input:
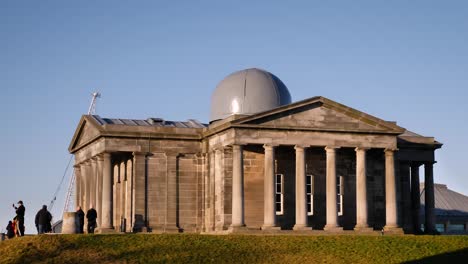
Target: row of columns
[
  {"x": 94, "y": 187},
  {"x": 331, "y": 195}
]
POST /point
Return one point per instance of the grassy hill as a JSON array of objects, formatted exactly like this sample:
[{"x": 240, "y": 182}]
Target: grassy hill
[{"x": 185, "y": 248}]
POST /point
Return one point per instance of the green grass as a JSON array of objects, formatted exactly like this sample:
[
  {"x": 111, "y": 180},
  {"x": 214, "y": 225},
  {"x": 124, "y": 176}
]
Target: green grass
[{"x": 184, "y": 248}]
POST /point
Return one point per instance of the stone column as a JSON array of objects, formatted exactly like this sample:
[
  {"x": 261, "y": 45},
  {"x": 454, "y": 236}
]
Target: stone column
[
  {"x": 98, "y": 205},
  {"x": 331, "y": 196},
  {"x": 301, "y": 194},
  {"x": 129, "y": 196},
  {"x": 415, "y": 197},
  {"x": 106, "y": 193},
  {"x": 87, "y": 177},
  {"x": 390, "y": 191},
  {"x": 269, "y": 212},
  {"x": 93, "y": 182},
  {"x": 361, "y": 191},
  {"x": 429, "y": 197},
  {"x": 83, "y": 186},
  {"x": 211, "y": 197},
  {"x": 237, "y": 187},
  {"x": 406, "y": 195},
  {"x": 77, "y": 185},
  {"x": 219, "y": 189},
  {"x": 140, "y": 192}
]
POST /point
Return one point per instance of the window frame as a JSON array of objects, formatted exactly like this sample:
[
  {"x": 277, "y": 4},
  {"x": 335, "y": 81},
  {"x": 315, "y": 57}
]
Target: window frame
[
  {"x": 310, "y": 209},
  {"x": 281, "y": 193},
  {"x": 339, "y": 194}
]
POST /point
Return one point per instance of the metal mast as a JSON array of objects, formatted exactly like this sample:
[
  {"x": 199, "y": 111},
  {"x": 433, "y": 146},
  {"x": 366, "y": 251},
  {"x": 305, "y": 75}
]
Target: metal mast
[
  {"x": 91, "y": 111},
  {"x": 92, "y": 106}
]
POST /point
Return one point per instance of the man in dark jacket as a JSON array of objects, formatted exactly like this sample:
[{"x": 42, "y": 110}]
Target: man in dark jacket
[
  {"x": 20, "y": 211},
  {"x": 80, "y": 215},
  {"x": 91, "y": 215},
  {"x": 43, "y": 218}
]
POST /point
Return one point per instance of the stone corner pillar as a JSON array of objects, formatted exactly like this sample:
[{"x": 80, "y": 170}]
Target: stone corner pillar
[
  {"x": 361, "y": 191},
  {"x": 139, "y": 203},
  {"x": 406, "y": 196},
  {"x": 237, "y": 188},
  {"x": 391, "y": 213},
  {"x": 269, "y": 212},
  {"x": 415, "y": 197},
  {"x": 429, "y": 199},
  {"x": 331, "y": 196},
  {"x": 301, "y": 193}
]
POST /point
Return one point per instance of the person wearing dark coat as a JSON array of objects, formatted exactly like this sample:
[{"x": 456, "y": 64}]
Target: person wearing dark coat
[
  {"x": 91, "y": 215},
  {"x": 20, "y": 211},
  {"x": 80, "y": 215},
  {"x": 43, "y": 218},
  {"x": 10, "y": 230}
]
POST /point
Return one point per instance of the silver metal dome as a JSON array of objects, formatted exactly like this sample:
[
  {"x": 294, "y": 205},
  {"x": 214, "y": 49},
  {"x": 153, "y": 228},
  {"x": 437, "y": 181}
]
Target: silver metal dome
[{"x": 248, "y": 92}]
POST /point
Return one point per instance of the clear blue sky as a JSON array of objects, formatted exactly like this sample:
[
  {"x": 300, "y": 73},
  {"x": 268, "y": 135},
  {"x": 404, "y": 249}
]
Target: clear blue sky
[{"x": 405, "y": 61}]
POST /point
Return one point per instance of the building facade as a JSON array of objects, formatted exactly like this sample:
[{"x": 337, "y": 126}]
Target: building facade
[{"x": 262, "y": 163}]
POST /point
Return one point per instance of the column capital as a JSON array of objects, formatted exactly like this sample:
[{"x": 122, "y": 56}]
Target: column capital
[
  {"x": 106, "y": 155},
  {"x": 100, "y": 157},
  {"x": 269, "y": 146},
  {"x": 219, "y": 148},
  {"x": 390, "y": 151},
  {"x": 135, "y": 154},
  {"x": 331, "y": 149},
  {"x": 361, "y": 149},
  {"x": 301, "y": 147},
  {"x": 200, "y": 155},
  {"x": 237, "y": 146},
  {"x": 429, "y": 163}
]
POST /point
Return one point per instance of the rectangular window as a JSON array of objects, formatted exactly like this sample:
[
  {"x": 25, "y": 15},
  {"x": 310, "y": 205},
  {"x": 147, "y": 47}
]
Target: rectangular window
[
  {"x": 339, "y": 193},
  {"x": 310, "y": 194},
  {"x": 279, "y": 194}
]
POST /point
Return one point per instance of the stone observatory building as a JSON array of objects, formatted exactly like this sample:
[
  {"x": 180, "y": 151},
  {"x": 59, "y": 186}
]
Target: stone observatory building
[{"x": 262, "y": 164}]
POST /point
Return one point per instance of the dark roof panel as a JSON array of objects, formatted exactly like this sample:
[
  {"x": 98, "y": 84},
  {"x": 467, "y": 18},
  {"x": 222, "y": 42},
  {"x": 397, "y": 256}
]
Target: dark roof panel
[{"x": 157, "y": 122}]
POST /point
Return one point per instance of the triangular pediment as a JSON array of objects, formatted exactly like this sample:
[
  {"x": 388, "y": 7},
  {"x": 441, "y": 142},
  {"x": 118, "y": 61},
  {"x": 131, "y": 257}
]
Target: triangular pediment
[
  {"x": 320, "y": 113},
  {"x": 87, "y": 131}
]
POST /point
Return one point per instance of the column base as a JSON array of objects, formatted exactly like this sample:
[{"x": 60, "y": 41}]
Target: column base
[
  {"x": 271, "y": 228},
  {"x": 102, "y": 230},
  {"x": 302, "y": 228},
  {"x": 333, "y": 228},
  {"x": 393, "y": 230},
  {"x": 363, "y": 229},
  {"x": 238, "y": 229}
]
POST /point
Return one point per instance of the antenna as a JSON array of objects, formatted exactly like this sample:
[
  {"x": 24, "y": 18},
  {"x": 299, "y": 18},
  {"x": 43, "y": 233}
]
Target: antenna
[
  {"x": 91, "y": 111},
  {"x": 92, "y": 106}
]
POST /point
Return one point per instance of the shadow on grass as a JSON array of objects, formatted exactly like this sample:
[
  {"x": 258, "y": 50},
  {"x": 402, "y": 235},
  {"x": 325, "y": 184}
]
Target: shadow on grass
[{"x": 459, "y": 256}]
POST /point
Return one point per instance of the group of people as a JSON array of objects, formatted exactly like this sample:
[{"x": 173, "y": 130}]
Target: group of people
[
  {"x": 91, "y": 216},
  {"x": 15, "y": 228}
]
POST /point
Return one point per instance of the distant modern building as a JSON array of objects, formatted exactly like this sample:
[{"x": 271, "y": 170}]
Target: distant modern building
[
  {"x": 451, "y": 210},
  {"x": 262, "y": 163}
]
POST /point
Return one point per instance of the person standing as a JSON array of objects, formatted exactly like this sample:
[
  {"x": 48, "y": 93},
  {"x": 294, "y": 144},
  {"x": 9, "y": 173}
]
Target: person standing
[
  {"x": 43, "y": 218},
  {"x": 80, "y": 215},
  {"x": 20, "y": 211},
  {"x": 91, "y": 215}
]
